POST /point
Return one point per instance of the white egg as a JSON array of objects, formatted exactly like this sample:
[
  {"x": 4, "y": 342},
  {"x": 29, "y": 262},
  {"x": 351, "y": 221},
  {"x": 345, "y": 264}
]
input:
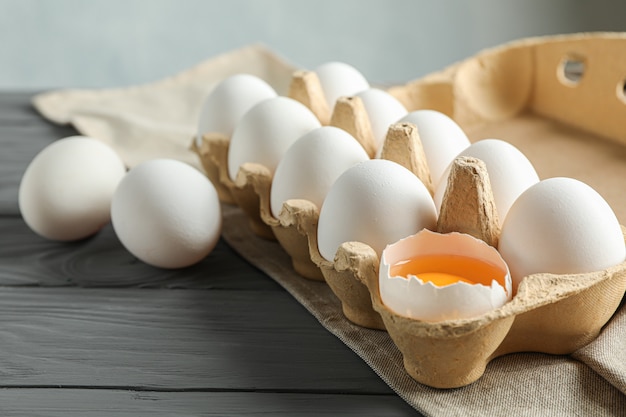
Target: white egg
[
  {"x": 383, "y": 110},
  {"x": 340, "y": 80},
  {"x": 229, "y": 101},
  {"x": 433, "y": 277},
  {"x": 510, "y": 172},
  {"x": 441, "y": 138},
  {"x": 375, "y": 202},
  {"x": 65, "y": 193},
  {"x": 312, "y": 164},
  {"x": 560, "y": 226},
  {"x": 166, "y": 213},
  {"x": 266, "y": 131}
]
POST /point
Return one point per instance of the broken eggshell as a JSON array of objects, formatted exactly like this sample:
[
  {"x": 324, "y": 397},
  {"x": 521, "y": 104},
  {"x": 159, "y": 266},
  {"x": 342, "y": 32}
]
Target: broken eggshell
[{"x": 410, "y": 296}]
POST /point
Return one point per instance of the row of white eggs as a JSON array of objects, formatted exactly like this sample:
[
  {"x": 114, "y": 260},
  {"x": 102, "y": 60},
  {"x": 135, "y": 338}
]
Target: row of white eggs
[
  {"x": 558, "y": 225},
  {"x": 73, "y": 187},
  {"x": 165, "y": 212}
]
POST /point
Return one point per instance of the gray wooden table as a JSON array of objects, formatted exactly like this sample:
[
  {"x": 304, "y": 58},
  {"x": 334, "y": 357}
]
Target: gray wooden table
[{"x": 88, "y": 330}]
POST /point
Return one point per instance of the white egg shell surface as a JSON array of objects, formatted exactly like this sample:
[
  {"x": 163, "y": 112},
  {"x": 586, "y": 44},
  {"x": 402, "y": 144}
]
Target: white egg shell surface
[
  {"x": 312, "y": 164},
  {"x": 442, "y": 139},
  {"x": 266, "y": 131},
  {"x": 229, "y": 101},
  {"x": 339, "y": 79},
  {"x": 166, "y": 213},
  {"x": 383, "y": 110},
  {"x": 65, "y": 193},
  {"x": 560, "y": 226},
  {"x": 510, "y": 172},
  {"x": 375, "y": 202},
  {"x": 411, "y": 297}
]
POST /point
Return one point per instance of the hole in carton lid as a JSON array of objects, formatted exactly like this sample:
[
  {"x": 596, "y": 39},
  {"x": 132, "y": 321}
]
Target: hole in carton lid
[
  {"x": 621, "y": 91},
  {"x": 571, "y": 70}
]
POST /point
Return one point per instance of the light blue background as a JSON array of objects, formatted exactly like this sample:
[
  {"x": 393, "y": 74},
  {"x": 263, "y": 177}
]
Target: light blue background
[{"x": 105, "y": 43}]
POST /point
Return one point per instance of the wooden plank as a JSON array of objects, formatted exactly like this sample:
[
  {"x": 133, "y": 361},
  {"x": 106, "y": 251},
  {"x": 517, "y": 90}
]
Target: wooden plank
[
  {"x": 172, "y": 339},
  {"x": 27, "y": 259},
  {"x": 91, "y": 403}
]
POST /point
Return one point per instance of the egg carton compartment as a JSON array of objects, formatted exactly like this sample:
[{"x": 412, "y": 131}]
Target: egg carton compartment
[{"x": 560, "y": 100}]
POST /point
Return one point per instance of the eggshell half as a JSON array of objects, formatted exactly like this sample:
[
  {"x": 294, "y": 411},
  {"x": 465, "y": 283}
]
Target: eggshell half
[
  {"x": 413, "y": 298},
  {"x": 375, "y": 202},
  {"x": 266, "y": 131}
]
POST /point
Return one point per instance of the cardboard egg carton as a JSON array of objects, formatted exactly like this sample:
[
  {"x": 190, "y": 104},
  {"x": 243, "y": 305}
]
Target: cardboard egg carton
[{"x": 561, "y": 100}]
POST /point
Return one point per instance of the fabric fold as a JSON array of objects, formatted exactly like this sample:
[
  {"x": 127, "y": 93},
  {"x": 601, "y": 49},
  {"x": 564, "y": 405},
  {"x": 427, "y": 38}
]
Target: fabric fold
[{"x": 158, "y": 119}]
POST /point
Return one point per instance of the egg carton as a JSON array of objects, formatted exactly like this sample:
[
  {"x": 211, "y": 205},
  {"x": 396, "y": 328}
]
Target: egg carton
[{"x": 521, "y": 88}]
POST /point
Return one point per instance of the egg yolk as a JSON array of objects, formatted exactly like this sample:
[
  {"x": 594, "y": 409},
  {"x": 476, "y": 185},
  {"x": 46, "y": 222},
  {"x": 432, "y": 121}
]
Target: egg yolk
[{"x": 444, "y": 270}]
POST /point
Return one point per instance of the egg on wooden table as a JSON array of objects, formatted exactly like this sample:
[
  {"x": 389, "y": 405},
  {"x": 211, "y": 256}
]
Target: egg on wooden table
[
  {"x": 339, "y": 79},
  {"x": 312, "y": 164},
  {"x": 228, "y": 101},
  {"x": 434, "y": 277},
  {"x": 266, "y": 131},
  {"x": 166, "y": 213},
  {"x": 375, "y": 202},
  {"x": 65, "y": 193},
  {"x": 442, "y": 139},
  {"x": 510, "y": 172},
  {"x": 560, "y": 226},
  {"x": 382, "y": 110}
]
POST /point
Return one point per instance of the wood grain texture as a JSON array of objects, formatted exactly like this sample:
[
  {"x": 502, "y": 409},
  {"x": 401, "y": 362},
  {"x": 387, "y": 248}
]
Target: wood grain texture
[
  {"x": 102, "y": 261},
  {"x": 91, "y": 403},
  {"x": 171, "y": 339}
]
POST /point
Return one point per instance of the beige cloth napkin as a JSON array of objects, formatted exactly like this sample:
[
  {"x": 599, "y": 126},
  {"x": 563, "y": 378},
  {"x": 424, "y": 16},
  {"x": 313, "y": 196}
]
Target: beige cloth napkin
[{"x": 159, "y": 120}]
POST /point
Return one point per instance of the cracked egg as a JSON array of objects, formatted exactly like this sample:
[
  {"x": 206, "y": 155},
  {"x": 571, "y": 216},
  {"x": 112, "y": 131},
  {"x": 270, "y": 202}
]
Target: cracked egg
[{"x": 435, "y": 277}]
